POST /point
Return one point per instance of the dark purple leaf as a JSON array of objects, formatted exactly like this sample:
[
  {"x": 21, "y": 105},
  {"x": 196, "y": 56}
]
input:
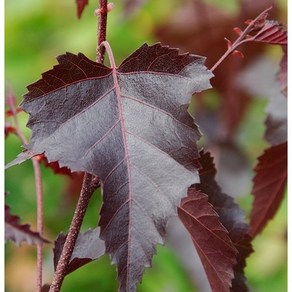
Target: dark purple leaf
[
  {"x": 216, "y": 250},
  {"x": 80, "y": 6},
  {"x": 269, "y": 31},
  {"x": 20, "y": 233},
  {"x": 130, "y": 127},
  {"x": 269, "y": 186},
  {"x": 276, "y": 130},
  {"x": 231, "y": 216},
  {"x": 200, "y": 27},
  {"x": 88, "y": 248}
]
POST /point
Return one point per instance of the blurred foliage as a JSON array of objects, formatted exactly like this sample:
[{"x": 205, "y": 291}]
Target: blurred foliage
[{"x": 36, "y": 32}]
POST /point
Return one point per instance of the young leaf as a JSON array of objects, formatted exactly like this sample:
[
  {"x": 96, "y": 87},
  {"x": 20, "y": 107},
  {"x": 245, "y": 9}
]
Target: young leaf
[
  {"x": 88, "y": 248},
  {"x": 130, "y": 127},
  {"x": 18, "y": 233},
  {"x": 269, "y": 185},
  {"x": 211, "y": 239},
  {"x": 231, "y": 216},
  {"x": 271, "y": 32},
  {"x": 80, "y": 6}
]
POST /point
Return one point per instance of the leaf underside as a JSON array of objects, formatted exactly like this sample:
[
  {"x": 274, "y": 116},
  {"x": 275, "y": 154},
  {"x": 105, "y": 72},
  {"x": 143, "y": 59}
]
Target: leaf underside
[
  {"x": 269, "y": 186},
  {"x": 88, "y": 248},
  {"x": 130, "y": 127},
  {"x": 230, "y": 215},
  {"x": 271, "y": 32},
  {"x": 19, "y": 233},
  {"x": 216, "y": 250}
]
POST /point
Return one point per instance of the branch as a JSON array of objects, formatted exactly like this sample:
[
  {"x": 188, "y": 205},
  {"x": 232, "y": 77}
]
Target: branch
[
  {"x": 101, "y": 30},
  {"x": 243, "y": 38},
  {"x": 11, "y": 101},
  {"x": 86, "y": 192},
  {"x": 90, "y": 182}
]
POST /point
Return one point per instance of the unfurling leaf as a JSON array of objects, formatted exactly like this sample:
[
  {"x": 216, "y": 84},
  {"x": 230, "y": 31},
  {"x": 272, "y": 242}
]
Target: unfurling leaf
[
  {"x": 238, "y": 54},
  {"x": 88, "y": 248},
  {"x": 130, "y": 127},
  {"x": 269, "y": 31},
  {"x": 269, "y": 186},
  {"x": 215, "y": 248},
  {"x": 231, "y": 216},
  {"x": 20, "y": 233}
]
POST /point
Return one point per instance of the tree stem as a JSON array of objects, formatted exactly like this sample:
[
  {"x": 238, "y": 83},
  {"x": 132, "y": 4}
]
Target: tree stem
[
  {"x": 39, "y": 192},
  {"x": 101, "y": 30},
  {"x": 40, "y": 221},
  {"x": 86, "y": 192},
  {"x": 90, "y": 182},
  {"x": 241, "y": 39}
]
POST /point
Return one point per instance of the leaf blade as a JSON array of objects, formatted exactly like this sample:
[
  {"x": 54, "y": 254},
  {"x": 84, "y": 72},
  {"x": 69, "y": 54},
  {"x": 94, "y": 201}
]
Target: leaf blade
[
  {"x": 211, "y": 239},
  {"x": 129, "y": 126},
  {"x": 88, "y": 248},
  {"x": 19, "y": 233},
  {"x": 268, "y": 186},
  {"x": 231, "y": 216}
]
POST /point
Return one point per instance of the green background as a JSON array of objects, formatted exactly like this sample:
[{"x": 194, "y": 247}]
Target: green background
[{"x": 35, "y": 33}]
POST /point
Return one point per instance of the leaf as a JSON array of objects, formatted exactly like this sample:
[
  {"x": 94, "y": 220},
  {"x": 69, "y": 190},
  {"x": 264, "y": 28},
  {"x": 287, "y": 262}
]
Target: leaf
[
  {"x": 130, "y": 127},
  {"x": 81, "y": 4},
  {"x": 18, "y": 233},
  {"x": 276, "y": 130},
  {"x": 282, "y": 74},
  {"x": 200, "y": 27},
  {"x": 88, "y": 248},
  {"x": 271, "y": 32},
  {"x": 268, "y": 186},
  {"x": 211, "y": 239},
  {"x": 55, "y": 166},
  {"x": 130, "y": 6},
  {"x": 231, "y": 216}
]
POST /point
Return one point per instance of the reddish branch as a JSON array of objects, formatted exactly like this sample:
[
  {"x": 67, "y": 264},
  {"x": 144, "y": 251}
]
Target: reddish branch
[
  {"x": 88, "y": 187},
  {"x": 101, "y": 29},
  {"x": 241, "y": 39},
  {"x": 38, "y": 186},
  {"x": 90, "y": 182}
]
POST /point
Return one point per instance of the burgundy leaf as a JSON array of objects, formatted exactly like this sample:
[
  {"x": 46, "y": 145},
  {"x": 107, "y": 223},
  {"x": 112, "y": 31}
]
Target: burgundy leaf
[
  {"x": 18, "y": 233},
  {"x": 54, "y": 166},
  {"x": 80, "y": 6},
  {"x": 200, "y": 27},
  {"x": 276, "y": 130},
  {"x": 269, "y": 186},
  {"x": 269, "y": 31},
  {"x": 210, "y": 238},
  {"x": 130, "y": 127},
  {"x": 231, "y": 216},
  {"x": 88, "y": 248}
]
